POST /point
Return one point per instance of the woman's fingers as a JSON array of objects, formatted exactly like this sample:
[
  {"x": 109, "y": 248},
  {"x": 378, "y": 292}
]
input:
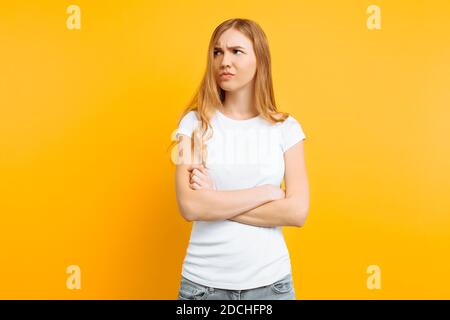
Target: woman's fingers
[
  {"x": 203, "y": 170},
  {"x": 196, "y": 179},
  {"x": 195, "y": 166},
  {"x": 199, "y": 176},
  {"x": 195, "y": 186}
]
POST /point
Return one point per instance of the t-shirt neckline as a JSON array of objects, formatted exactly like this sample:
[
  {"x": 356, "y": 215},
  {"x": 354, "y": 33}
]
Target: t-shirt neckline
[{"x": 231, "y": 120}]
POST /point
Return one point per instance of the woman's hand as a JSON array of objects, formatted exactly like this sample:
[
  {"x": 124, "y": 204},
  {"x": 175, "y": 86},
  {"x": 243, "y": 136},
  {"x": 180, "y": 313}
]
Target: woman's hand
[{"x": 200, "y": 179}]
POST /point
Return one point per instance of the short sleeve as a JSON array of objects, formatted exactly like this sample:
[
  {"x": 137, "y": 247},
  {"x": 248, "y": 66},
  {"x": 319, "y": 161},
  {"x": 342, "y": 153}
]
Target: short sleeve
[
  {"x": 291, "y": 133},
  {"x": 187, "y": 124}
]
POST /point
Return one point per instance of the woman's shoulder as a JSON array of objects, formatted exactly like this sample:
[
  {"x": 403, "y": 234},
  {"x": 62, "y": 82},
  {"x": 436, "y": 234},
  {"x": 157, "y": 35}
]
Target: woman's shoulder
[
  {"x": 291, "y": 132},
  {"x": 288, "y": 120},
  {"x": 191, "y": 115},
  {"x": 188, "y": 123},
  {"x": 190, "y": 118}
]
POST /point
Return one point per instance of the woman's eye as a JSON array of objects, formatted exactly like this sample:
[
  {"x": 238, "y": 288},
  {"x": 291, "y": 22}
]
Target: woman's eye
[{"x": 235, "y": 51}]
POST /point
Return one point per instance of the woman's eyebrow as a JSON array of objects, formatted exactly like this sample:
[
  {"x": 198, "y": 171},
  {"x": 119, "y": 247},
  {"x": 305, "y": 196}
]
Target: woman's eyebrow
[{"x": 233, "y": 47}]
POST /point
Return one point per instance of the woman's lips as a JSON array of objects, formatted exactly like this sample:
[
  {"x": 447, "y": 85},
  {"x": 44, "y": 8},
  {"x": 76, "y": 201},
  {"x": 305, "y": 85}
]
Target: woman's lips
[{"x": 226, "y": 76}]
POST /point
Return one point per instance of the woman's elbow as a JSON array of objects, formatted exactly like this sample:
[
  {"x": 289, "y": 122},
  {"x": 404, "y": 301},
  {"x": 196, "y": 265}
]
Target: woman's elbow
[
  {"x": 187, "y": 211},
  {"x": 188, "y": 216},
  {"x": 301, "y": 219},
  {"x": 300, "y": 215}
]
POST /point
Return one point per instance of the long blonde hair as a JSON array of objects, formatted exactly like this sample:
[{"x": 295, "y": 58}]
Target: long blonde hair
[{"x": 209, "y": 94}]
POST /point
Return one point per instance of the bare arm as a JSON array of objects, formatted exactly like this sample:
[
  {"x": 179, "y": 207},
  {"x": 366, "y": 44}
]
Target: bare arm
[
  {"x": 291, "y": 211},
  {"x": 211, "y": 205},
  {"x": 276, "y": 213}
]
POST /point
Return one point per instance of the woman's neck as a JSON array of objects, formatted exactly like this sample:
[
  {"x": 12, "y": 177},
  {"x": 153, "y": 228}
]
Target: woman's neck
[{"x": 239, "y": 104}]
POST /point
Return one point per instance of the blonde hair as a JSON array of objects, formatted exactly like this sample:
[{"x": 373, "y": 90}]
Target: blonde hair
[{"x": 209, "y": 94}]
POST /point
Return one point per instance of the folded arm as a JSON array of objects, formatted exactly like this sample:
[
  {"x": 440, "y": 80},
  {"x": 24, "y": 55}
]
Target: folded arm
[
  {"x": 211, "y": 205},
  {"x": 284, "y": 212},
  {"x": 291, "y": 211}
]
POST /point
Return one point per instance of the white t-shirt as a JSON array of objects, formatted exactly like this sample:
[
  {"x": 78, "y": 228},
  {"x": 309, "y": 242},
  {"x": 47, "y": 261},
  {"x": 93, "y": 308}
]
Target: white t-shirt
[{"x": 241, "y": 154}]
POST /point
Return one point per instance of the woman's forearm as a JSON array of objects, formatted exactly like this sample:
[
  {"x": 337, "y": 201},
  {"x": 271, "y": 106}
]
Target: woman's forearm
[
  {"x": 211, "y": 205},
  {"x": 284, "y": 212}
]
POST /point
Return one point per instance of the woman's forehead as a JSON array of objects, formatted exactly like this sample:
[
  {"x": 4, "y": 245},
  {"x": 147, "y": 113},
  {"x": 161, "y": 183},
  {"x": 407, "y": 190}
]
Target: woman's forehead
[{"x": 233, "y": 38}]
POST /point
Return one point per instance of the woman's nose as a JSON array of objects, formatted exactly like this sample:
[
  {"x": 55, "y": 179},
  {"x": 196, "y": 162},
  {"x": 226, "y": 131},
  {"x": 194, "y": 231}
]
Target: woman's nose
[{"x": 226, "y": 60}]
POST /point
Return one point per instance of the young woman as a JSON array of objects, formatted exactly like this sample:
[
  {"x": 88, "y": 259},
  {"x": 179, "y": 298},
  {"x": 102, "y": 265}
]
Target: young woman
[{"x": 236, "y": 147}]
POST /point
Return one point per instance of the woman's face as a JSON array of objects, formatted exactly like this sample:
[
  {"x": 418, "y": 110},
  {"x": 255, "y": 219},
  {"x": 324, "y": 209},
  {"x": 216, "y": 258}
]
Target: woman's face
[{"x": 233, "y": 53}]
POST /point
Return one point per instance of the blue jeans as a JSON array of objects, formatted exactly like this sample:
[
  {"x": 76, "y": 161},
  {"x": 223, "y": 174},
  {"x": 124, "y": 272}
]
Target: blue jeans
[{"x": 280, "y": 290}]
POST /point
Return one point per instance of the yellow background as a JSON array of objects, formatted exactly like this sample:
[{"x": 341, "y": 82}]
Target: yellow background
[{"x": 86, "y": 117}]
